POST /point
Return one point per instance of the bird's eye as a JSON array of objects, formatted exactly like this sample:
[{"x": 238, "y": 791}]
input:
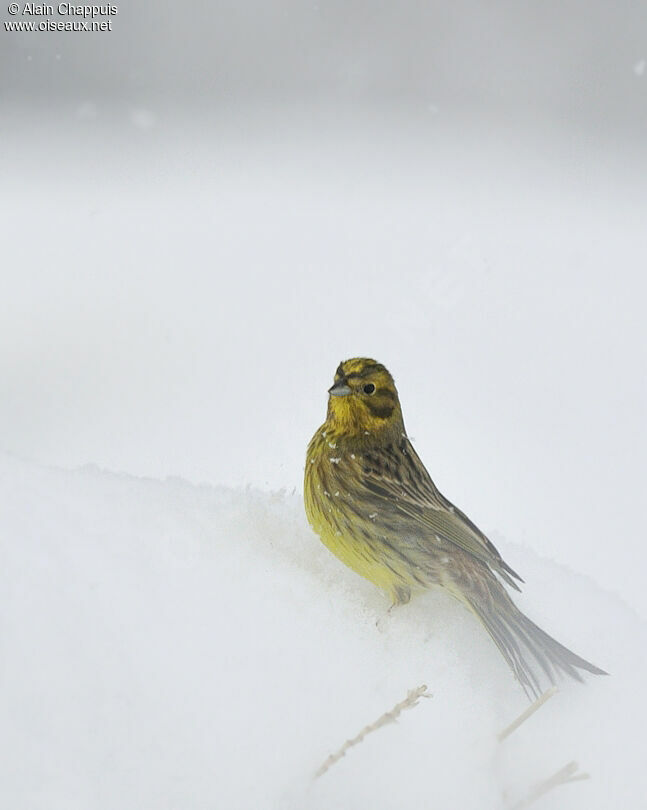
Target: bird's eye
[{"x": 369, "y": 388}]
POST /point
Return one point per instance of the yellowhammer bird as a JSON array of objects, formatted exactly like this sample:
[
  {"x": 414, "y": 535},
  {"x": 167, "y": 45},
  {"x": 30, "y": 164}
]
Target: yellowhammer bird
[{"x": 373, "y": 504}]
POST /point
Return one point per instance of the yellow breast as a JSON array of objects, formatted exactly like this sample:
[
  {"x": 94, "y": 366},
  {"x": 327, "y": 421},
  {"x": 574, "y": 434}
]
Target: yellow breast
[{"x": 336, "y": 516}]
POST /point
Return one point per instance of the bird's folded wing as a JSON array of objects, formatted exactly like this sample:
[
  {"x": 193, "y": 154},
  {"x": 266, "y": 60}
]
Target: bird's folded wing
[{"x": 427, "y": 514}]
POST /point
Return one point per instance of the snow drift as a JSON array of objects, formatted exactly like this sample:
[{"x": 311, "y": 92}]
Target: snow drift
[{"x": 176, "y": 646}]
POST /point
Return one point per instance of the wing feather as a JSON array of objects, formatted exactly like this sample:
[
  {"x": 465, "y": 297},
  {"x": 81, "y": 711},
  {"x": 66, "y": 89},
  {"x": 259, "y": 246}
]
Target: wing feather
[{"x": 394, "y": 478}]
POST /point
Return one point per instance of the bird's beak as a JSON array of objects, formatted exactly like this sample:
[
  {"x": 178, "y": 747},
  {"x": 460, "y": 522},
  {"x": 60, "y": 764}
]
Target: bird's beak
[{"x": 339, "y": 389}]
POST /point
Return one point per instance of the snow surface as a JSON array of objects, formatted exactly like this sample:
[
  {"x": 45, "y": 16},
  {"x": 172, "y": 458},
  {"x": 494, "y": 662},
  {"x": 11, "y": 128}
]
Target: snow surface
[{"x": 168, "y": 645}]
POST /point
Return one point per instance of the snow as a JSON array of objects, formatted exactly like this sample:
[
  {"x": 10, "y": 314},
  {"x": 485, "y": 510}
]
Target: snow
[{"x": 171, "y": 645}]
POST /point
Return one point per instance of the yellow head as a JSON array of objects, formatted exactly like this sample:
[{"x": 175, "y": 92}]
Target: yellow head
[{"x": 363, "y": 399}]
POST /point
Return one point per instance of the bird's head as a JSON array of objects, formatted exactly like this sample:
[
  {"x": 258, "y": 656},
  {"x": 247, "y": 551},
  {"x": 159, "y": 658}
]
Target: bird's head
[{"x": 363, "y": 399}]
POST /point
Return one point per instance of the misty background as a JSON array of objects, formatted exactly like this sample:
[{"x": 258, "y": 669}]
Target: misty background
[
  {"x": 573, "y": 63},
  {"x": 202, "y": 212}
]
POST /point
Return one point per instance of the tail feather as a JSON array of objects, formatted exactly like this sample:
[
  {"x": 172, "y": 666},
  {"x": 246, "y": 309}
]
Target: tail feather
[{"x": 527, "y": 649}]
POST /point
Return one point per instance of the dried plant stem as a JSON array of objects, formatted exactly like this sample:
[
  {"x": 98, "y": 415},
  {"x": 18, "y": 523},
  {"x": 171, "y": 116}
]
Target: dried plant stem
[
  {"x": 391, "y": 716},
  {"x": 566, "y": 774},
  {"x": 527, "y": 713}
]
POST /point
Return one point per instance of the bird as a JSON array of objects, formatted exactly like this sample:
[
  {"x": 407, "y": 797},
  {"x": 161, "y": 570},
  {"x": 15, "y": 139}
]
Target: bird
[{"x": 373, "y": 504}]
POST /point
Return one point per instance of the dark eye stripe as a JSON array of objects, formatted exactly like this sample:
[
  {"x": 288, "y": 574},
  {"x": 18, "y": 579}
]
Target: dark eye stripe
[
  {"x": 381, "y": 411},
  {"x": 385, "y": 392}
]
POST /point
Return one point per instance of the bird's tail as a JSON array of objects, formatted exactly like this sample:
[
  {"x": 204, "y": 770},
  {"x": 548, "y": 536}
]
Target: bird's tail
[{"x": 528, "y": 650}]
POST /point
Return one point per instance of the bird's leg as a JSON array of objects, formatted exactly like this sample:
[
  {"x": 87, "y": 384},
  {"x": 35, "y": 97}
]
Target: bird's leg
[{"x": 401, "y": 594}]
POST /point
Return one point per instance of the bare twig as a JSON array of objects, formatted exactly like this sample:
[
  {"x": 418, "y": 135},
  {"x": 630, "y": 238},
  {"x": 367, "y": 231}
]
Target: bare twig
[
  {"x": 566, "y": 774},
  {"x": 527, "y": 713},
  {"x": 391, "y": 716}
]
